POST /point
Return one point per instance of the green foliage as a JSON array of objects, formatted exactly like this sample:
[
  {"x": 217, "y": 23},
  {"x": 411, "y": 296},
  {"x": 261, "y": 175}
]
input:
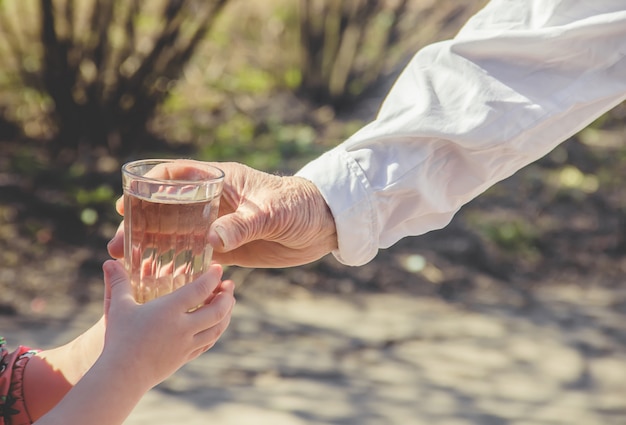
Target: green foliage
[
  {"x": 267, "y": 146},
  {"x": 24, "y": 163},
  {"x": 570, "y": 178},
  {"x": 89, "y": 216},
  {"x": 237, "y": 131},
  {"x": 102, "y": 194},
  {"x": 100, "y": 69},
  {"x": 292, "y": 78},
  {"x": 514, "y": 236},
  {"x": 248, "y": 79}
]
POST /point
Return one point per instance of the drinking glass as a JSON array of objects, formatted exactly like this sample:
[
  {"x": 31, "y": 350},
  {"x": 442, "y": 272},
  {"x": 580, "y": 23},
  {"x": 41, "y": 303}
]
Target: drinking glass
[{"x": 169, "y": 206}]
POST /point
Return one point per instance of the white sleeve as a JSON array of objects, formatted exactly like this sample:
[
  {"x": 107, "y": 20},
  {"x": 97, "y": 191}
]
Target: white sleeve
[{"x": 521, "y": 77}]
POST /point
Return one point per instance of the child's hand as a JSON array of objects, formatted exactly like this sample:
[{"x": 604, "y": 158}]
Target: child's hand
[{"x": 155, "y": 339}]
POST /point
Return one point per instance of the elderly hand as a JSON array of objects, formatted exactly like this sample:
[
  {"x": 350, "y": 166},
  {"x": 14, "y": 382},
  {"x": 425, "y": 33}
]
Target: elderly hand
[{"x": 264, "y": 220}]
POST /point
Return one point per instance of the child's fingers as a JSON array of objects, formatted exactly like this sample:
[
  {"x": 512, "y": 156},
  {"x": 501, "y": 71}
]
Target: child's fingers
[
  {"x": 119, "y": 205},
  {"x": 117, "y": 283},
  {"x": 116, "y": 245},
  {"x": 107, "y": 290},
  {"x": 206, "y": 338},
  {"x": 213, "y": 314},
  {"x": 227, "y": 286},
  {"x": 195, "y": 293}
]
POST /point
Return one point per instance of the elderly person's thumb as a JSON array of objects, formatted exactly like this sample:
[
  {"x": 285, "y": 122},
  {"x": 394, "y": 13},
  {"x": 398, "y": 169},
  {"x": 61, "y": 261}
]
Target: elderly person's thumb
[{"x": 231, "y": 231}]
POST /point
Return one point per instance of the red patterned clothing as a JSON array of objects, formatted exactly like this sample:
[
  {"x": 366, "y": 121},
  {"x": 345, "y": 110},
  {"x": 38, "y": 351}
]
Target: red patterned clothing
[{"x": 12, "y": 408}]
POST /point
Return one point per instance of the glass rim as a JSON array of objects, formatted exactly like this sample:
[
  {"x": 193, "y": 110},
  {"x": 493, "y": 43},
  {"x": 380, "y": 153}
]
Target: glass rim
[{"x": 126, "y": 170}]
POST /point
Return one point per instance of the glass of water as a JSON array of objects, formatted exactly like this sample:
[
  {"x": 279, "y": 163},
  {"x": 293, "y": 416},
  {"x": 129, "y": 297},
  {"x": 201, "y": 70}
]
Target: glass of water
[{"x": 169, "y": 206}]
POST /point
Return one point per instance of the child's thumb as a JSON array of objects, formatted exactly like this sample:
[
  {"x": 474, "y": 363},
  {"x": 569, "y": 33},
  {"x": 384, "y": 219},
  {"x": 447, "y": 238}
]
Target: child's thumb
[{"x": 116, "y": 283}]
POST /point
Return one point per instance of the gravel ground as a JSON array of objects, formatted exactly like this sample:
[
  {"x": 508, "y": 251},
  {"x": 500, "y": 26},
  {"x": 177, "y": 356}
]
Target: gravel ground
[{"x": 300, "y": 357}]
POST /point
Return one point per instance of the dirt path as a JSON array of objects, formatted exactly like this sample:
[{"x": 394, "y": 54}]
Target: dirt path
[{"x": 378, "y": 359}]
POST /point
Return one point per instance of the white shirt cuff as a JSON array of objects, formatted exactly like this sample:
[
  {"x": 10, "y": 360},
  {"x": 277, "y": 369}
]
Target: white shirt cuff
[{"x": 346, "y": 191}]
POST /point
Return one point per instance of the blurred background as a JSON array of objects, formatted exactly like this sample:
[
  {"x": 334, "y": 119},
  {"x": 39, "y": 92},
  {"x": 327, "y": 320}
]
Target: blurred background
[{"x": 513, "y": 314}]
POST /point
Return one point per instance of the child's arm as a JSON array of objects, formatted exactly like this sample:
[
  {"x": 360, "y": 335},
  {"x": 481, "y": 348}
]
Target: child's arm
[{"x": 50, "y": 374}]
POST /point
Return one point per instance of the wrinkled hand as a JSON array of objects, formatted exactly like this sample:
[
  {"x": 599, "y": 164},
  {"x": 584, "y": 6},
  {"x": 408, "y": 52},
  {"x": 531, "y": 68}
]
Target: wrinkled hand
[
  {"x": 155, "y": 339},
  {"x": 264, "y": 220}
]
